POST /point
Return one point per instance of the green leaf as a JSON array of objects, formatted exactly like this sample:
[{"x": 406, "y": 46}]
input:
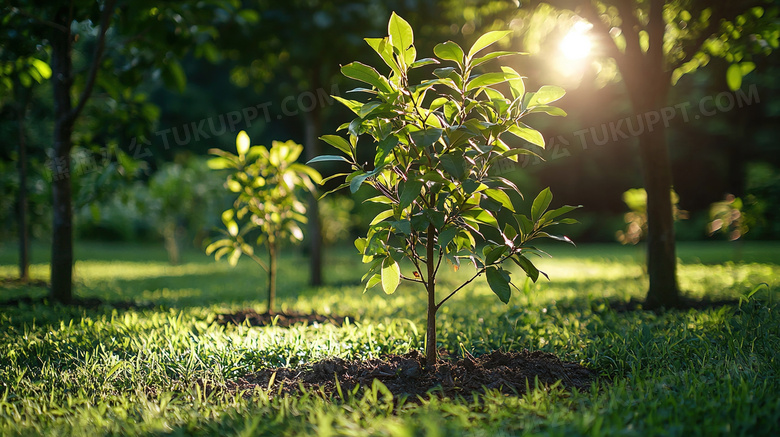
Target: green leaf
[
  {"x": 367, "y": 74},
  {"x": 526, "y": 225},
  {"x": 423, "y": 62},
  {"x": 446, "y": 236},
  {"x": 43, "y": 68},
  {"x": 401, "y": 36},
  {"x": 391, "y": 275},
  {"x": 492, "y": 56},
  {"x": 426, "y": 137},
  {"x": 734, "y": 77},
  {"x": 550, "y": 215},
  {"x": 375, "y": 279},
  {"x": 494, "y": 254},
  {"x": 509, "y": 232},
  {"x": 409, "y": 192},
  {"x": 381, "y": 216},
  {"x": 322, "y": 158},
  {"x": 500, "y": 197},
  {"x": 383, "y": 150},
  {"x": 454, "y": 164},
  {"x": 540, "y": 204},
  {"x": 486, "y": 40},
  {"x": 486, "y": 79},
  {"x": 354, "y": 184},
  {"x": 449, "y": 51},
  {"x": 385, "y": 51},
  {"x": 173, "y": 75},
  {"x": 516, "y": 84},
  {"x": 533, "y": 136},
  {"x": 220, "y": 163},
  {"x": 435, "y": 217},
  {"x": 242, "y": 143},
  {"x": 527, "y": 266},
  {"x": 498, "y": 283},
  {"x": 403, "y": 226},
  {"x": 546, "y": 94},
  {"x": 353, "y": 105},
  {"x": 550, "y": 110},
  {"x": 338, "y": 142}
]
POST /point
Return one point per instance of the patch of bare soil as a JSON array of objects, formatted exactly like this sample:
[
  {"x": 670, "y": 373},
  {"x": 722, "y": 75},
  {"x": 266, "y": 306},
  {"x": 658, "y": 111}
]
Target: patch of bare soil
[
  {"x": 509, "y": 372},
  {"x": 283, "y": 320}
]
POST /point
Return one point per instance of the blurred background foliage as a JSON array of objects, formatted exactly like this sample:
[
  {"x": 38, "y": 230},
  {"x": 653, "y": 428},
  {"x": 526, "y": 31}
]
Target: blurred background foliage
[{"x": 268, "y": 68}]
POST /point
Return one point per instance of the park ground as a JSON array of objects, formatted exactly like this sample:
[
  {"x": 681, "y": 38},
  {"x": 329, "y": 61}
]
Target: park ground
[{"x": 163, "y": 366}]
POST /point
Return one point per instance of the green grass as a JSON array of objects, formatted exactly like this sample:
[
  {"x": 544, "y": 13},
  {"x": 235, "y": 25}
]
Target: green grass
[{"x": 76, "y": 371}]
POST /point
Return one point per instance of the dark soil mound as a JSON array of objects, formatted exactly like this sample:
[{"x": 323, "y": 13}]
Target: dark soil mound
[
  {"x": 509, "y": 372},
  {"x": 277, "y": 319}
]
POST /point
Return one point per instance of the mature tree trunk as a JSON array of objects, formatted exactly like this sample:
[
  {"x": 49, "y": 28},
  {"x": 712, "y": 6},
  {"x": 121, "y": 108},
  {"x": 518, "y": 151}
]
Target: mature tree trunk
[
  {"x": 312, "y": 147},
  {"x": 661, "y": 257},
  {"x": 65, "y": 115},
  {"x": 62, "y": 225},
  {"x": 24, "y": 235}
]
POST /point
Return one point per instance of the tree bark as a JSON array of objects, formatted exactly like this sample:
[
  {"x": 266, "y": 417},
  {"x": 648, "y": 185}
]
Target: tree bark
[
  {"x": 312, "y": 147},
  {"x": 65, "y": 115},
  {"x": 661, "y": 256},
  {"x": 24, "y": 235},
  {"x": 62, "y": 225},
  {"x": 271, "y": 275}
]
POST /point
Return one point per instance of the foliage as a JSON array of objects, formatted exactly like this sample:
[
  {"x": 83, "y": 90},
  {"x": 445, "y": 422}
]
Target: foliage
[
  {"x": 433, "y": 161},
  {"x": 268, "y": 183},
  {"x": 636, "y": 218},
  {"x": 169, "y": 369},
  {"x": 727, "y": 218},
  {"x": 182, "y": 197},
  {"x": 338, "y": 219}
]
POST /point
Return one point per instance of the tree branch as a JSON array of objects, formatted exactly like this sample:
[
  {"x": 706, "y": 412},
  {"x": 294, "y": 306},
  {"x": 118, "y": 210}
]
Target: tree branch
[
  {"x": 655, "y": 30},
  {"x": 105, "y": 22},
  {"x": 476, "y": 275},
  {"x": 631, "y": 29},
  {"x": 51, "y": 24}
]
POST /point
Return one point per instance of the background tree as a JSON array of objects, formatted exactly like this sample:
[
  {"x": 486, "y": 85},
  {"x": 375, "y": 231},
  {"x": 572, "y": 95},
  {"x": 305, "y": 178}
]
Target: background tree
[
  {"x": 147, "y": 36},
  {"x": 20, "y": 70},
  {"x": 267, "y": 209},
  {"x": 653, "y": 43}
]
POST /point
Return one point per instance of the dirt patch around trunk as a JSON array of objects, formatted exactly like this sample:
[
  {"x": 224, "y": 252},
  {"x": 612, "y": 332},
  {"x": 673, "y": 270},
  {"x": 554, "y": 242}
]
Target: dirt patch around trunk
[
  {"x": 406, "y": 375},
  {"x": 283, "y": 320}
]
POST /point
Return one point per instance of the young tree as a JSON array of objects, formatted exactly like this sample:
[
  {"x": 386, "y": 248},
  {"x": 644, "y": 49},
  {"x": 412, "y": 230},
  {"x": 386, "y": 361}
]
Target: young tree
[
  {"x": 268, "y": 183},
  {"x": 653, "y": 43},
  {"x": 436, "y": 144}
]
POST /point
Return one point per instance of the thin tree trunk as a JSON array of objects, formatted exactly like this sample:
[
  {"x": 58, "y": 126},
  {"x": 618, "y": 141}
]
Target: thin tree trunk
[
  {"x": 271, "y": 276},
  {"x": 313, "y": 128},
  {"x": 430, "y": 333},
  {"x": 24, "y": 236},
  {"x": 62, "y": 225},
  {"x": 172, "y": 244}
]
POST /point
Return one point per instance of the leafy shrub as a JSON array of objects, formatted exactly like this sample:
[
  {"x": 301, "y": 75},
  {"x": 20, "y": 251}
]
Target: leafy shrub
[{"x": 267, "y": 210}]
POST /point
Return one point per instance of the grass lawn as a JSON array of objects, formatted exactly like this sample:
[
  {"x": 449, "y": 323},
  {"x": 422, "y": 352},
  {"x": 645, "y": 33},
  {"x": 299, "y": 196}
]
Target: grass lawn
[{"x": 77, "y": 371}]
